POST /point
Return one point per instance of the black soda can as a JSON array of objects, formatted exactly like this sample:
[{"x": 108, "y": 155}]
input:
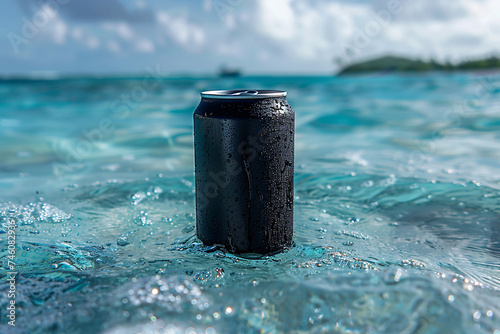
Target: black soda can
[{"x": 244, "y": 165}]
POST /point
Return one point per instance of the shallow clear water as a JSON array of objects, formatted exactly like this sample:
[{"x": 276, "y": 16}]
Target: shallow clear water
[{"x": 397, "y": 209}]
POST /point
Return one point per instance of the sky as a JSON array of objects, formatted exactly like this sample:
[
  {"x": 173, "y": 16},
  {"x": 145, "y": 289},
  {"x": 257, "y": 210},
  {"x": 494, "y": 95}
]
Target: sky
[{"x": 256, "y": 36}]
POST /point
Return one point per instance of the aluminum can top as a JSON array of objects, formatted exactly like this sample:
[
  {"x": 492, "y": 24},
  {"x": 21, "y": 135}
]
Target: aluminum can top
[{"x": 242, "y": 94}]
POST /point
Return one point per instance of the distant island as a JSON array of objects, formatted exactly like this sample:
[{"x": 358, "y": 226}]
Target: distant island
[{"x": 401, "y": 64}]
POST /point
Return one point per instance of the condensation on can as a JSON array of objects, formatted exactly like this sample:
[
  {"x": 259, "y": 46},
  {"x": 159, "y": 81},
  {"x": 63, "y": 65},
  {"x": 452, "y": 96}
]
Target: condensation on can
[{"x": 244, "y": 167}]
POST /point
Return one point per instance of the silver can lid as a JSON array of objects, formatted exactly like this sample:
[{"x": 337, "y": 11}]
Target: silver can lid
[{"x": 242, "y": 94}]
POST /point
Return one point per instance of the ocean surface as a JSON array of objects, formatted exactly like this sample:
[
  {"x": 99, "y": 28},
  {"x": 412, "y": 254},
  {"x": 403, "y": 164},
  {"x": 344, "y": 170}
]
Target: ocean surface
[{"x": 397, "y": 209}]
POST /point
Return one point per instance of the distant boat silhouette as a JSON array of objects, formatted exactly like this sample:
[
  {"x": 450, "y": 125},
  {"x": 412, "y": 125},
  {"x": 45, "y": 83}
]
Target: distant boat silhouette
[{"x": 226, "y": 72}]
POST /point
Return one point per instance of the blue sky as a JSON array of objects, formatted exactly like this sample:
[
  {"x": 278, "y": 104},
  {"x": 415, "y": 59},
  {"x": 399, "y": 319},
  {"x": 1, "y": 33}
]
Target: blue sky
[{"x": 258, "y": 36}]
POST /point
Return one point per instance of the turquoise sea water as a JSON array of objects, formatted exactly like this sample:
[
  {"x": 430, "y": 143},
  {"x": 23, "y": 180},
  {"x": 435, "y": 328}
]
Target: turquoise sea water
[{"x": 397, "y": 209}]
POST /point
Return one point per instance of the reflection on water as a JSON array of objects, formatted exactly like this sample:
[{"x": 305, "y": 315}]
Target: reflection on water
[{"x": 397, "y": 210}]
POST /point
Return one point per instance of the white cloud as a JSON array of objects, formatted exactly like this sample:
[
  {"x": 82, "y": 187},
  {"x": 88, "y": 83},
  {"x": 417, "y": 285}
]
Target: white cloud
[
  {"x": 125, "y": 32},
  {"x": 55, "y": 28},
  {"x": 122, "y": 29},
  {"x": 207, "y": 5},
  {"x": 318, "y": 30},
  {"x": 440, "y": 10},
  {"x": 114, "y": 46},
  {"x": 85, "y": 38},
  {"x": 276, "y": 19},
  {"x": 233, "y": 49},
  {"x": 462, "y": 31},
  {"x": 297, "y": 35},
  {"x": 304, "y": 29},
  {"x": 59, "y": 31},
  {"x": 77, "y": 33},
  {"x": 144, "y": 45},
  {"x": 92, "y": 42},
  {"x": 140, "y": 4},
  {"x": 182, "y": 31}
]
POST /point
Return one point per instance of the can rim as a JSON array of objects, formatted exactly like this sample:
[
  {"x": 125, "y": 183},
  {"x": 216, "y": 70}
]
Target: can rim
[{"x": 242, "y": 94}]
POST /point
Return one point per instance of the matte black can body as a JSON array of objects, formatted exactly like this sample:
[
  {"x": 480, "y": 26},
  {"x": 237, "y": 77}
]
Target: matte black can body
[{"x": 244, "y": 166}]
